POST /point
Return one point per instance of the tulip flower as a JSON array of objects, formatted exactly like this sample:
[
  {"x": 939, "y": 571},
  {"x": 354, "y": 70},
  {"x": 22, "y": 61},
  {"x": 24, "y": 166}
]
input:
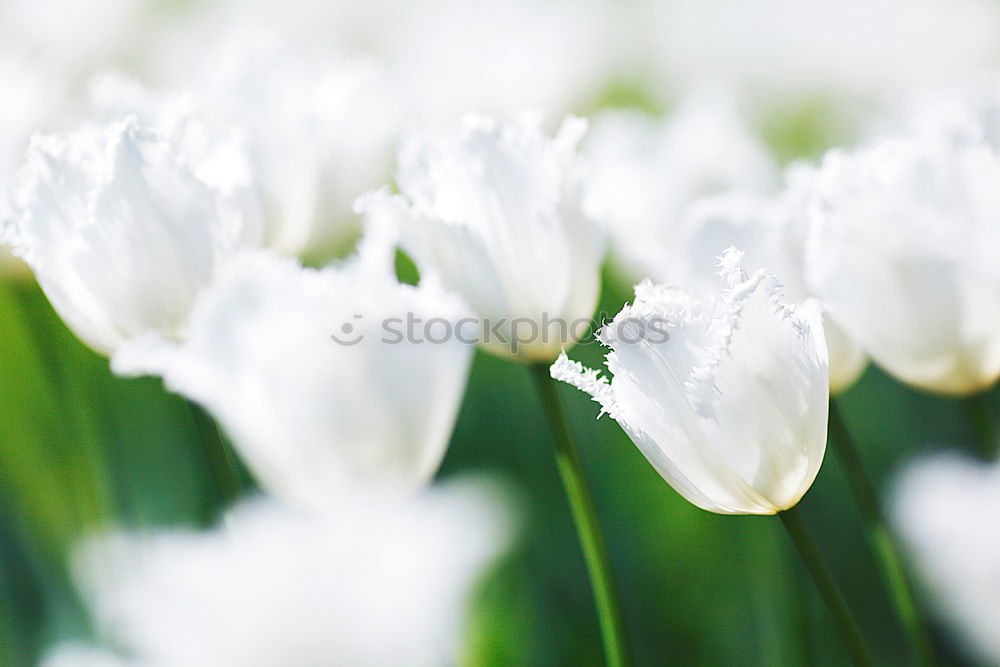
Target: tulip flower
[
  {"x": 905, "y": 252},
  {"x": 320, "y": 130},
  {"x": 644, "y": 172},
  {"x": 323, "y": 379},
  {"x": 493, "y": 210},
  {"x": 317, "y": 130},
  {"x": 381, "y": 581},
  {"x": 770, "y": 230},
  {"x": 946, "y": 509},
  {"x": 121, "y": 234},
  {"x": 725, "y": 395}
]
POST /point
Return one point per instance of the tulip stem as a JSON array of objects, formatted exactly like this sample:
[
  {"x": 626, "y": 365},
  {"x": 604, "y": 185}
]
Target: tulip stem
[
  {"x": 980, "y": 413},
  {"x": 880, "y": 539},
  {"x": 585, "y": 517},
  {"x": 221, "y": 464},
  {"x": 811, "y": 556}
]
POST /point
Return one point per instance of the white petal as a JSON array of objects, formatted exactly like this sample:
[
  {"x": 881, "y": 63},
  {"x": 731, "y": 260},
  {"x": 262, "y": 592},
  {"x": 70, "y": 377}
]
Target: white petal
[
  {"x": 120, "y": 235},
  {"x": 274, "y": 585},
  {"x": 946, "y": 508},
  {"x": 314, "y": 377},
  {"x": 494, "y": 212},
  {"x": 904, "y": 250}
]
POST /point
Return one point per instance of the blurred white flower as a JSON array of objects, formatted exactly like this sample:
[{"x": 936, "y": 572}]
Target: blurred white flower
[
  {"x": 489, "y": 57},
  {"x": 35, "y": 98},
  {"x": 904, "y": 250},
  {"x": 378, "y": 582},
  {"x": 800, "y": 48},
  {"x": 80, "y": 654},
  {"x": 317, "y": 130},
  {"x": 120, "y": 234},
  {"x": 214, "y": 150},
  {"x": 319, "y": 377},
  {"x": 947, "y": 508},
  {"x": 643, "y": 172},
  {"x": 493, "y": 210},
  {"x": 321, "y": 131},
  {"x": 71, "y": 35},
  {"x": 445, "y": 57},
  {"x": 770, "y": 231},
  {"x": 725, "y": 395},
  {"x": 967, "y": 110}
]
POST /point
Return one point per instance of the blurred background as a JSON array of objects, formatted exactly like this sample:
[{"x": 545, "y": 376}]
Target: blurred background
[{"x": 79, "y": 446}]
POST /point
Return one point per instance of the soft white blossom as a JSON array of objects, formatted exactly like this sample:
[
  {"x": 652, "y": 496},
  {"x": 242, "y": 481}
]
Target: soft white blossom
[
  {"x": 806, "y": 48},
  {"x": 316, "y": 129},
  {"x": 320, "y": 128},
  {"x": 457, "y": 56},
  {"x": 493, "y": 210},
  {"x": 318, "y": 376},
  {"x": 643, "y": 172},
  {"x": 121, "y": 235},
  {"x": 904, "y": 250},
  {"x": 378, "y": 582},
  {"x": 770, "y": 230},
  {"x": 726, "y": 395},
  {"x": 213, "y": 148},
  {"x": 71, "y": 35},
  {"x": 35, "y": 98},
  {"x": 445, "y": 58},
  {"x": 968, "y": 110},
  {"x": 947, "y": 509}
]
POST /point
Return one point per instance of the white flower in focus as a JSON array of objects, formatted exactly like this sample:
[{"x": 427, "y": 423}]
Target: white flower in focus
[
  {"x": 947, "y": 509},
  {"x": 725, "y": 395},
  {"x": 318, "y": 376},
  {"x": 378, "y": 582},
  {"x": 643, "y": 172},
  {"x": 492, "y": 209},
  {"x": 120, "y": 234},
  {"x": 770, "y": 231},
  {"x": 904, "y": 250}
]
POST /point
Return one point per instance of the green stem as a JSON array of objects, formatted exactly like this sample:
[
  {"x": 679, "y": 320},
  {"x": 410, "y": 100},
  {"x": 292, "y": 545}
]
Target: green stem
[
  {"x": 980, "y": 413},
  {"x": 585, "y": 517},
  {"x": 221, "y": 464},
  {"x": 806, "y": 546},
  {"x": 880, "y": 539}
]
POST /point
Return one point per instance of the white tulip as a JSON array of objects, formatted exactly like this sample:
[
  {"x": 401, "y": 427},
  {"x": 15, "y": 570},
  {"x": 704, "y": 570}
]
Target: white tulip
[
  {"x": 214, "y": 149},
  {"x": 378, "y": 582},
  {"x": 317, "y": 376},
  {"x": 805, "y": 50},
  {"x": 73, "y": 36},
  {"x": 121, "y": 235},
  {"x": 643, "y": 173},
  {"x": 725, "y": 395},
  {"x": 947, "y": 509},
  {"x": 770, "y": 231},
  {"x": 320, "y": 129},
  {"x": 493, "y": 211},
  {"x": 905, "y": 252}
]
